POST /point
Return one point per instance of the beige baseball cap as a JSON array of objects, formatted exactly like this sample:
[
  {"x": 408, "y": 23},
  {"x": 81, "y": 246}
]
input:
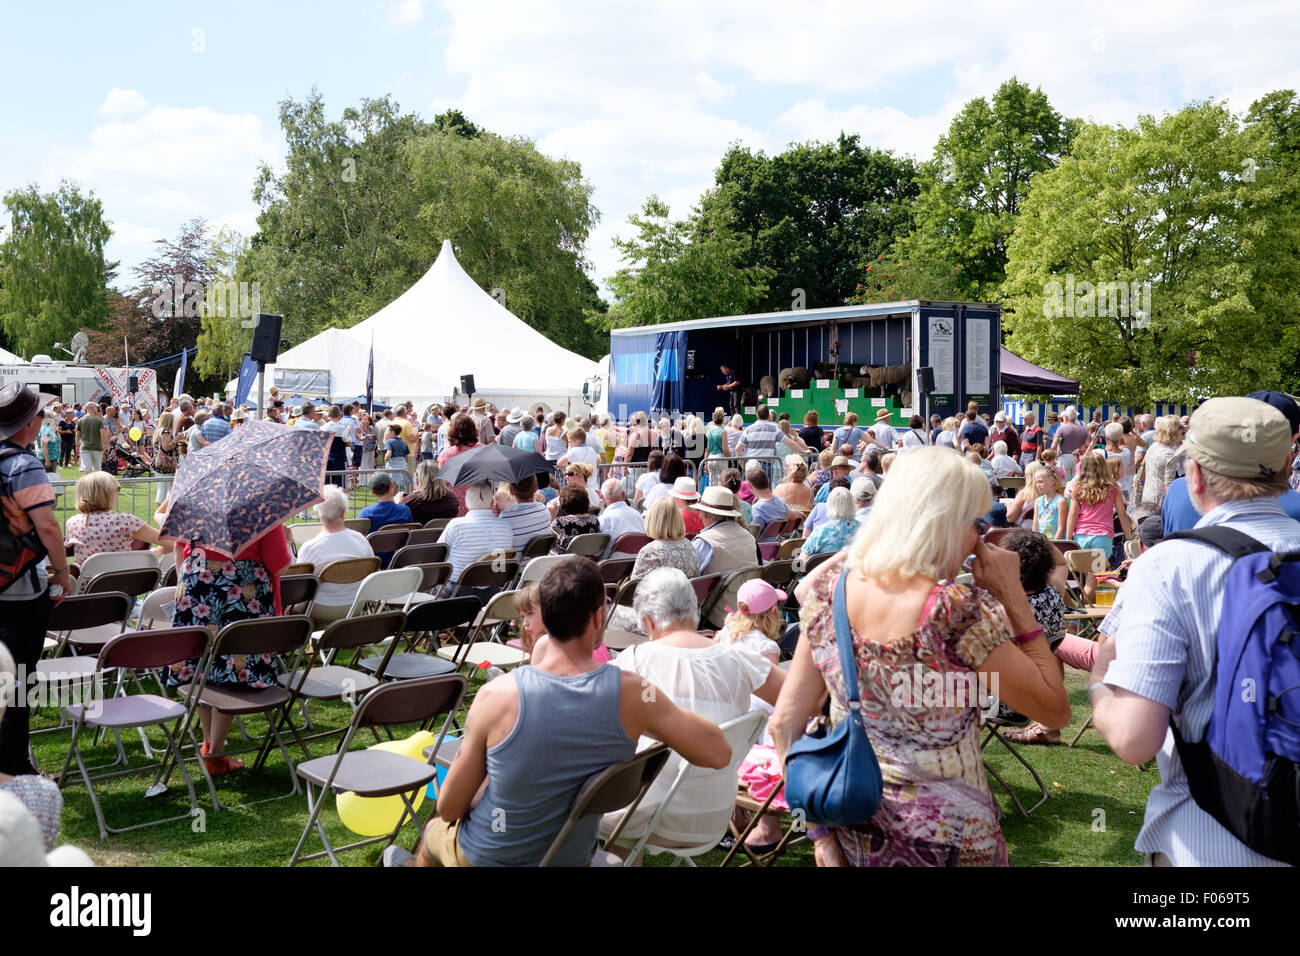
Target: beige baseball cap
[{"x": 1239, "y": 438}]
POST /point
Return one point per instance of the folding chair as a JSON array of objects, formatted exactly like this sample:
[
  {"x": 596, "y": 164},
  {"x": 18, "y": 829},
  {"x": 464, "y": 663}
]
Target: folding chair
[
  {"x": 703, "y": 586},
  {"x": 588, "y": 545},
  {"x": 615, "y": 570},
  {"x": 155, "y": 609},
  {"x": 1082, "y": 564},
  {"x": 486, "y": 573},
  {"x": 789, "y": 547},
  {"x": 742, "y": 733},
  {"x": 118, "y": 561},
  {"x": 433, "y": 576},
  {"x": 713, "y": 611},
  {"x": 306, "y": 530},
  {"x": 430, "y": 619},
  {"x": 280, "y": 636},
  {"x": 388, "y": 540},
  {"x": 772, "y": 530},
  {"x": 630, "y": 543},
  {"x": 779, "y": 573},
  {"x": 300, "y": 567},
  {"x": 538, "y": 568},
  {"x": 994, "y": 536},
  {"x": 404, "y": 526},
  {"x": 437, "y": 524},
  {"x": 298, "y": 593},
  {"x": 142, "y": 650},
  {"x": 134, "y": 582},
  {"x": 1064, "y": 545},
  {"x": 622, "y": 785},
  {"x": 167, "y": 565},
  {"x": 499, "y": 610},
  {"x": 332, "y": 681},
  {"x": 424, "y": 536},
  {"x": 811, "y": 561},
  {"x": 614, "y": 638},
  {"x": 1011, "y": 485},
  {"x": 359, "y": 525},
  {"x": 994, "y": 726},
  {"x": 377, "y": 773},
  {"x": 413, "y": 554},
  {"x": 1132, "y": 549},
  {"x": 538, "y": 546},
  {"x": 345, "y": 571},
  {"x": 792, "y": 832}
]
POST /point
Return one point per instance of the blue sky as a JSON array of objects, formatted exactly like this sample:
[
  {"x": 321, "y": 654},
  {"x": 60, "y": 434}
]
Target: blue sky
[{"x": 165, "y": 109}]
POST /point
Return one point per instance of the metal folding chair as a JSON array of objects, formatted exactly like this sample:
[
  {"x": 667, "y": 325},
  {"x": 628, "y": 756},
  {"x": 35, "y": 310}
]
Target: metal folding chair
[
  {"x": 588, "y": 545},
  {"x": 423, "y": 620},
  {"x": 377, "y": 773}
]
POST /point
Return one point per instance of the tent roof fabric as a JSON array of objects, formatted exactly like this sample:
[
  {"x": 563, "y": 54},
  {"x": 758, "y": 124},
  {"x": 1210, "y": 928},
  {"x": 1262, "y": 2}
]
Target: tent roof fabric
[
  {"x": 1022, "y": 377},
  {"x": 443, "y": 327}
]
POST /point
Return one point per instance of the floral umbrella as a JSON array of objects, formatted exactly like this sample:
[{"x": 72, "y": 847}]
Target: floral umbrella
[{"x": 230, "y": 493}]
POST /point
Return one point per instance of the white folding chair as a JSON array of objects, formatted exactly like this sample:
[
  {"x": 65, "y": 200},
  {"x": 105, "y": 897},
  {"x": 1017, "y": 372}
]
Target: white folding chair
[
  {"x": 537, "y": 568},
  {"x": 304, "y": 532},
  {"x": 105, "y": 561}
]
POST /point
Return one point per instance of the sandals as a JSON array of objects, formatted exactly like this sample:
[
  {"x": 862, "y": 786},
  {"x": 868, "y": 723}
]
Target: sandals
[{"x": 1035, "y": 733}]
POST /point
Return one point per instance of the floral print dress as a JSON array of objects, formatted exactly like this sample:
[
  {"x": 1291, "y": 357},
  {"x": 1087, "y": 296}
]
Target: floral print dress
[
  {"x": 213, "y": 591},
  {"x": 937, "y": 809}
]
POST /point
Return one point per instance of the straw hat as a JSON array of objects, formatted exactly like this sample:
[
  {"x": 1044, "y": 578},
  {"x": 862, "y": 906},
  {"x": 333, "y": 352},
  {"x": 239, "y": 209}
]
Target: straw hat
[
  {"x": 684, "y": 488},
  {"x": 479, "y": 404},
  {"x": 882, "y": 413},
  {"x": 718, "y": 500}
]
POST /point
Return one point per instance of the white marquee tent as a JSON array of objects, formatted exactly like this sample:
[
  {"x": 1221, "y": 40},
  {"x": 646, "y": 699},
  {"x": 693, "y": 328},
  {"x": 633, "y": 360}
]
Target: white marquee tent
[{"x": 441, "y": 328}]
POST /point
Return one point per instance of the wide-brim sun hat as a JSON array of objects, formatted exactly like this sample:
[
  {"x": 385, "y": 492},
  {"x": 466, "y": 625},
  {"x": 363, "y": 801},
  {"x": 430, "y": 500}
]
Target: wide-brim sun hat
[
  {"x": 515, "y": 417},
  {"x": 717, "y": 500},
  {"x": 882, "y": 413},
  {"x": 19, "y": 405}
]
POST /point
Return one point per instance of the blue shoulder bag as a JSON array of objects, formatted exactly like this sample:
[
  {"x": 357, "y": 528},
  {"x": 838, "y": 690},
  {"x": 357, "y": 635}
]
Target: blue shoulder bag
[{"x": 834, "y": 777}]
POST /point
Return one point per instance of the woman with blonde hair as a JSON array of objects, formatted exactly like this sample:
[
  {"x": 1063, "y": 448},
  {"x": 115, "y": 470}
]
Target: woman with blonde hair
[
  {"x": 668, "y": 549},
  {"x": 733, "y": 430},
  {"x": 432, "y": 497},
  {"x": 1020, "y": 510},
  {"x": 1157, "y": 470},
  {"x": 164, "y": 455},
  {"x": 99, "y": 526},
  {"x": 794, "y": 491},
  {"x": 1095, "y": 500},
  {"x": 908, "y": 620}
]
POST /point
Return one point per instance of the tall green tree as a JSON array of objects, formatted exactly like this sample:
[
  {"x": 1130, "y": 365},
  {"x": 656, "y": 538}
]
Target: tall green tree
[
  {"x": 812, "y": 214},
  {"x": 689, "y": 269},
  {"x": 224, "y": 338},
  {"x": 1134, "y": 263},
  {"x": 53, "y": 275},
  {"x": 972, "y": 190},
  {"x": 519, "y": 222}
]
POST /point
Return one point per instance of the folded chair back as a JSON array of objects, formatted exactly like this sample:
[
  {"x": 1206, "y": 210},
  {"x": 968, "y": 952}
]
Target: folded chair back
[
  {"x": 384, "y": 586},
  {"x": 436, "y": 524},
  {"x": 588, "y": 545},
  {"x": 443, "y": 615},
  {"x": 704, "y": 585},
  {"x": 139, "y": 650},
  {"x": 630, "y": 543},
  {"x": 91, "y": 610},
  {"x": 435, "y": 575},
  {"x": 359, "y": 525},
  {"x": 414, "y": 554},
  {"x": 614, "y": 570},
  {"x": 424, "y": 536},
  {"x": 297, "y": 589},
  {"x": 299, "y": 567},
  {"x": 152, "y": 610},
  {"x": 538, "y": 546},
  {"x": 133, "y": 582},
  {"x": 489, "y": 573},
  {"x": 348, "y": 570},
  {"x": 539, "y": 567},
  {"x": 117, "y": 561},
  {"x": 388, "y": 540},
  {"x": 412, "y": 701},
  {"x": 265, "y": 635}
]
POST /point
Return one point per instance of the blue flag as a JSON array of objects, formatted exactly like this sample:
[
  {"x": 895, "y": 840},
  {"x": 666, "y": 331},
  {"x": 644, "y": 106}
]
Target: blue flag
[
  {"x": 180, "y": 376},
  {"x": 247, "y": 373},
  {"x": 370, "y": 378}
]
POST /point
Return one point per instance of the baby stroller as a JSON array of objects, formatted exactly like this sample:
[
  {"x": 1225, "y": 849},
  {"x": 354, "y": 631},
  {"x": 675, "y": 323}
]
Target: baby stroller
[{"x": 132, "y": 463}]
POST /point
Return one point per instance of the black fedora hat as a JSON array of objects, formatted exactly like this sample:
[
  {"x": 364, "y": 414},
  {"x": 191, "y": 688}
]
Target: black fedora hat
[{"x": 19, "y": 405}]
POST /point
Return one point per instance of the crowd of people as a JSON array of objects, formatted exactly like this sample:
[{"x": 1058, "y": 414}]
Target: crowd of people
[{"x": 903, "y": 513}]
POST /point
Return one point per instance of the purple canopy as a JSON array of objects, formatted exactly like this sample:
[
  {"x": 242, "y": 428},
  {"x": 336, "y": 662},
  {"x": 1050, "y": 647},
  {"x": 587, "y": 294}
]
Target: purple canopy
[{"x": 1022, "y": 377}]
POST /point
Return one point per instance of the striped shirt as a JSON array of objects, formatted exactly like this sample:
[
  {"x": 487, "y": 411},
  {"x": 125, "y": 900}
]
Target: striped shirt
[
  {"x": 474, "y": 536},
  {"x": 527, "y": 520},
  {"x": 26, "y": 489},
  {"x": 1166, "y": 625}
]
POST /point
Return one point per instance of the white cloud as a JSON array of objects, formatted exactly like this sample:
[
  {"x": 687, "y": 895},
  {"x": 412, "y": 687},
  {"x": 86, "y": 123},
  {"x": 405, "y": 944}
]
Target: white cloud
[
  {"x": 122, "y": 104},
  {"x": 406, "y": 12}
]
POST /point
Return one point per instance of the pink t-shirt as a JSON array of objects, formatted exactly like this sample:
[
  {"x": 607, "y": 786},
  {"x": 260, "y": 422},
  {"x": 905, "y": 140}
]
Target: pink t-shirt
[
  {"x": 1098, "y": 518},
  {"x": 101, "y": 531}
]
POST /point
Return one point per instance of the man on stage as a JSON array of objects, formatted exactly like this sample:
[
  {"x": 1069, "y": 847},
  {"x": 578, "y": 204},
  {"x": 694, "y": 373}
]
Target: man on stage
[{"x": 730, "y": 385}]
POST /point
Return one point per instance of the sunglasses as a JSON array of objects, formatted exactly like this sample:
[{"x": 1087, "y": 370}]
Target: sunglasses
[
  {"x": 982, "y": 526},
  {"x": 572, "y": 474}
]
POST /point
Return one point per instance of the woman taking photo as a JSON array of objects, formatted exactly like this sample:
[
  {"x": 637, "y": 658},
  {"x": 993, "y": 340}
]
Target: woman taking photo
[{"x": 908, "y": 618}]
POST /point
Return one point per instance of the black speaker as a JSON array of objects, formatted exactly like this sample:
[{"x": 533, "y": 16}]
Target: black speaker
[
  {"x": 926, "y": 376},
  {"x": 133, "y": 384},
  {"x": 467, "y": 384},
  {"x": 266, "y": 337}
]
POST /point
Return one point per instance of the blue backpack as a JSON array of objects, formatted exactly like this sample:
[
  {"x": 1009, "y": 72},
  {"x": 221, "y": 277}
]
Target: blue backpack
[{"x": 1246, "y": 771}]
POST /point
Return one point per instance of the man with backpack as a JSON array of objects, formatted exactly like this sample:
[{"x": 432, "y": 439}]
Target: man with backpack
[
  {"x": 29, "y": 539},
  {"x": 1200, "y": 656}
]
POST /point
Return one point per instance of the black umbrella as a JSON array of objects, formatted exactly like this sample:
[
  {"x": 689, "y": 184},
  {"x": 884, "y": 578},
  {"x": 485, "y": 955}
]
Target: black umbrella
[{"x": 493, "y": 463}]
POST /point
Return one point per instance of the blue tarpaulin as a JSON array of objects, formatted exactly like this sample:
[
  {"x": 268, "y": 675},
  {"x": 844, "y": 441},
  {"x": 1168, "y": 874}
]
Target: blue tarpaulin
[{"x": 648, "y": 372}]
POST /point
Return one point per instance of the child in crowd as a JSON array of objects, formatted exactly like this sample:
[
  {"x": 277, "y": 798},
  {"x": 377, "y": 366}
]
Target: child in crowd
[
  {"x": 1095, "y": 500},
  {"x": 756, "y": 624},
  {"x": 532, "y": 637},
  {"x": 1048, "y": 458},
  {"x": 1050, "y": 507}
]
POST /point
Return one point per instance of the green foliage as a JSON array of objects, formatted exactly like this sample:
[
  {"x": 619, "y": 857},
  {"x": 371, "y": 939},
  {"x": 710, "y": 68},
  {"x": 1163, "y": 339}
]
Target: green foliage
[
  {"x": 812, "y": 215},
  {"x": 973, "y": 188},
  {"x": 364, "y": 203},
  {"x": 690, "y": 269},
  {"x": 53, "y": 277},
  {"x": 894, "y": 280},
  {"x": 223, "y": 339},
  {"x": 1167, "y": 203}
]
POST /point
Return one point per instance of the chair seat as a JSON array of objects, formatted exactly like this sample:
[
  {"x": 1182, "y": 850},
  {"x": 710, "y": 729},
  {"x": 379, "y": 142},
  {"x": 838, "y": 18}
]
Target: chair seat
[
  {"x": 415, "y": 597},
  {"x": 330, "y": 682},
  {"x": 369, "y": 773},
  {"x": 66, "y": 668},
  {"x": 497, "y": 655},
  {"x": 446, "y": 753},
  {"x": 138, "y": 710},
  {"x": 96, "y": 636},
  {"x": 243, "y": 700},
  {"x": 617, "y": 640},
  {"x": 409, "y": 666}
]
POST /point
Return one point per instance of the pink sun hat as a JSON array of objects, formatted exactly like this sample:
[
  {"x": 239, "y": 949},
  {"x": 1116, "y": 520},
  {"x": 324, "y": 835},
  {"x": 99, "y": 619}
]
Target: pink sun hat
[{"x": 758, "y": 596}]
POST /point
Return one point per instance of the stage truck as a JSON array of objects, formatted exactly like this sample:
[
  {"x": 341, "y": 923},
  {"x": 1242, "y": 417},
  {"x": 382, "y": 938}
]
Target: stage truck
[
  {"x": 909, "y": 358},
  {"x": 78, "y": 384}
]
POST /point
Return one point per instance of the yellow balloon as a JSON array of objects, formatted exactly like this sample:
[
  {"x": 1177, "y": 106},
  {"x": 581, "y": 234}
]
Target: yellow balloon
[
  {"x": 375, "y": 816},
  {"x": 136, "y": 434}
]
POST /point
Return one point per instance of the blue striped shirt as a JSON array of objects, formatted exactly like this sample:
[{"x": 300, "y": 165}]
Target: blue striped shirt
[{"x": 1166, "y": 626}]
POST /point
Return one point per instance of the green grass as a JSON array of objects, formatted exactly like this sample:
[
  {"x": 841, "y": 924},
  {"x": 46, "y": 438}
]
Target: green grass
[{"x": 1062, "y": 832}]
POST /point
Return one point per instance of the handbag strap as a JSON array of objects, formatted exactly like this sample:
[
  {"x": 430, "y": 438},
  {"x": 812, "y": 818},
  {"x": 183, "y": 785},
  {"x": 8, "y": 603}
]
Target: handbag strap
[{"x": 844, "y": 640}]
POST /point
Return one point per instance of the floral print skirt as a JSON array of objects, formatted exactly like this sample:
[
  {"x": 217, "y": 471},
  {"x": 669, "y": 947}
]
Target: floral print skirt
[{"x": 213, "y": 592}]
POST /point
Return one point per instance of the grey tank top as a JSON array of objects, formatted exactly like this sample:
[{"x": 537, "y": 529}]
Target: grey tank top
[{"x": 568, "y": 728}]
